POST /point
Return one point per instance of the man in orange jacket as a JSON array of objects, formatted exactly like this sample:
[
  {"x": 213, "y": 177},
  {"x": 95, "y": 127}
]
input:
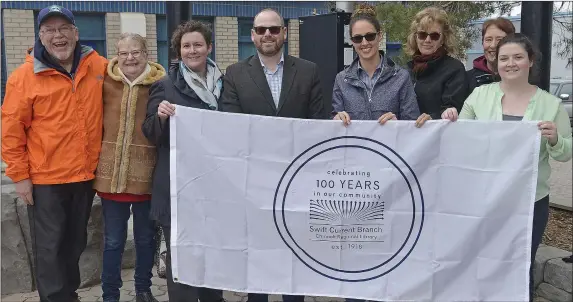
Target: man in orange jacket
[{"x": 51, "y": 139}]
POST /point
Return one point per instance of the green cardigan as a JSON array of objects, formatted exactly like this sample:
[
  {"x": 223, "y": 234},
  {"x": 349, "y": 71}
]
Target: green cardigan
[{"x": 485, "y": 104}]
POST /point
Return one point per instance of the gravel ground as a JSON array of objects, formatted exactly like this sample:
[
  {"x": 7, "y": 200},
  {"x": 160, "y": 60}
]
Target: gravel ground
[{"x": 559, "y": 231}]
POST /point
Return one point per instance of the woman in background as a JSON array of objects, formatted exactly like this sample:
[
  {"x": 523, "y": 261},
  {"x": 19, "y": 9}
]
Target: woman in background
[{"x": 492, "y": 32}]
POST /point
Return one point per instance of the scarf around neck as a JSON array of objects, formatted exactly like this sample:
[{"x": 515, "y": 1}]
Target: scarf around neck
[
  {"x": 421, "y": 61},
  {"x": 209, "y": 89}
]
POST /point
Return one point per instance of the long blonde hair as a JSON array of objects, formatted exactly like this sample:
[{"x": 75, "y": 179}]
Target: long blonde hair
[{"x": 424, "y": 19}]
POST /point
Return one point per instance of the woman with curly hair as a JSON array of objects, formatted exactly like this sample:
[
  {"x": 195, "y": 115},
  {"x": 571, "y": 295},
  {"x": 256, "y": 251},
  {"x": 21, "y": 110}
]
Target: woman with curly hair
[
  {"x": 196, "y": 81},
  {"x": 440, "y": 81}
]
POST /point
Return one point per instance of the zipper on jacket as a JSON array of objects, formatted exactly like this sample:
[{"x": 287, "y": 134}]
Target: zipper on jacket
[
  {"x": 73, "y": 76},
  {"x": 124, "y": 146},
  {"x": 369, "y": 93}
]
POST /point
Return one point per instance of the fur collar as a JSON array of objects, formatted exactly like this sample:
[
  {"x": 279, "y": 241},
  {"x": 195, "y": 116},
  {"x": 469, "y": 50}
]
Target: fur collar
[{"x": 157, "y": 72}]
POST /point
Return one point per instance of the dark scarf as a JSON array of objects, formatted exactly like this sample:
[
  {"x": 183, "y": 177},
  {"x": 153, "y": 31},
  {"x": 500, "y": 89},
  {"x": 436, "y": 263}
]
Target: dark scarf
[
  {"x": 420, "y": 61},
  {"x": 481, "y": 64},
  {"x": 43, "y": 56}
]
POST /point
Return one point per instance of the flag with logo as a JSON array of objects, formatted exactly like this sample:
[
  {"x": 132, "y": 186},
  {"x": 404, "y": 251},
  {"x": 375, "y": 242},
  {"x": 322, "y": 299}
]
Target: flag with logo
[{"x": 384, "y": 213}]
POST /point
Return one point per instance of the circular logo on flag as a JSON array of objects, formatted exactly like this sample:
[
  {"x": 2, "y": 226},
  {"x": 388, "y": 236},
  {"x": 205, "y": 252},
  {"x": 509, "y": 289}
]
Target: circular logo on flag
[{"x": 350, "y": 208}]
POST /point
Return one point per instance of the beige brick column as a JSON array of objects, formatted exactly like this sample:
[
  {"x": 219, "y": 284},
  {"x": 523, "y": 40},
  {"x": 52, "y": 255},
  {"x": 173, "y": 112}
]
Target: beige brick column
[
  {"x": 151, "y": 36},
  {"x": 112, "y": 33},
  {"x": 226, "y": 41},
  {"x": 293, "y": 37},
  {"x": 18, "y": 36}
]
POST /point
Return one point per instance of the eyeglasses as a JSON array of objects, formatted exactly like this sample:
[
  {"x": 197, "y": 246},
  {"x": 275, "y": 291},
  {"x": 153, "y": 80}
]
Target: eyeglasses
[
  {"x": 261, "y": 30},
  {"x": 422, "y": 35},
  {"x": 64, "y": 30},
  {"x": 125, "y": 54},
  {"x": 369, "y": 37}
]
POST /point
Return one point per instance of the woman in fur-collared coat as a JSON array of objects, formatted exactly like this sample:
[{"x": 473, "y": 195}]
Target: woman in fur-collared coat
[{"x": 125, "y": 168}]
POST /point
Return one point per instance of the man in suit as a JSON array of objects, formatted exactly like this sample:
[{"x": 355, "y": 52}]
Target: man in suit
[
  {"x": 273, "y": 84},
  {"x": 269, "y": 82}
]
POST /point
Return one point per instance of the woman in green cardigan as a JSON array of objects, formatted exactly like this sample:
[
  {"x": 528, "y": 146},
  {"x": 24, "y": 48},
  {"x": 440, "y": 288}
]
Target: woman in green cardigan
[{"x": 515, "y": 99}]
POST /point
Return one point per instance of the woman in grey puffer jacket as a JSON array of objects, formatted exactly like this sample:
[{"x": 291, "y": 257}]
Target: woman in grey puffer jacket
[{"x": 372, "y": 87}]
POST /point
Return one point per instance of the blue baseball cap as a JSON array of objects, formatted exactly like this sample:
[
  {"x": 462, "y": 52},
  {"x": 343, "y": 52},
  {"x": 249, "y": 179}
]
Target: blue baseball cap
[{"x": 55, "y": 10}]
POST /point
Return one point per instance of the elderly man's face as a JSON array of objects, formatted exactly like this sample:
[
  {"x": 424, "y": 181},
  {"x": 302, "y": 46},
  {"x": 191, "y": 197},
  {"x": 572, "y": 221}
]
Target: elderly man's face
[{"x": 59, "y": 37}]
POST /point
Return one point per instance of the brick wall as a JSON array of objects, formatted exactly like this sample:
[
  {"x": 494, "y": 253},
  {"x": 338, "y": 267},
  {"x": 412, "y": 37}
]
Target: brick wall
[
  {"x": 18, "y": 36},
  {"x": 112, "y": 32},
  {"x": 151, "y": 36},
  {"x": 226, "y": 41},
  {"x": 293, "y": 37}
]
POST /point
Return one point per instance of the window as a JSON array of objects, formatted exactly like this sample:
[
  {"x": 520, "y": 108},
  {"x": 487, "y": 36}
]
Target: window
[
  {"x": 566, "y": 89},
  {"x": 162, "y": 41},
  {"x": 246, "y": 46},
  {"x": 91, "y": 28},
  {"x": 553, "y": 88},
  {"x": 163, "y": 38}
]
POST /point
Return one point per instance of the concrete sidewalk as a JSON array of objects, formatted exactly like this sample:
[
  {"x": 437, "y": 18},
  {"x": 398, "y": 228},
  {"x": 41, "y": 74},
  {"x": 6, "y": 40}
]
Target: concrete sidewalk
[
  {"x": 159, "y": 290},
  {"x": 93, "y": 294}
]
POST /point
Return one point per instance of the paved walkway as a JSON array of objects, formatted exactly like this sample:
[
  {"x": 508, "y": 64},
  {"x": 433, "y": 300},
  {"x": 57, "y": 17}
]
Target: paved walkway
[{"x": 159, "y": 290}]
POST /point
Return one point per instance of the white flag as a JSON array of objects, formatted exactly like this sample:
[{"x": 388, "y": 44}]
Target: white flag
[{"x": 385, "y": 213}]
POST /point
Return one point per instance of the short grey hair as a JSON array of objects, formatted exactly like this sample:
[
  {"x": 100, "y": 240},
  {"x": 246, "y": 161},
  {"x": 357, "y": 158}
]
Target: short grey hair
[{"x": 132, "y": 36}]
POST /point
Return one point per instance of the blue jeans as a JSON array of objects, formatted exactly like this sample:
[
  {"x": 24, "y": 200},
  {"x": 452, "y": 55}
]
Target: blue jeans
[{"x": 116, "y": 215}]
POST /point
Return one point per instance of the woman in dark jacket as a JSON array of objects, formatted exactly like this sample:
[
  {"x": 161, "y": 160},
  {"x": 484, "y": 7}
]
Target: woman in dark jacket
[
  {"x": 195, "y": 82},
  {"x": 439, "y": 80},
  {"x": 492, "y": 32}
]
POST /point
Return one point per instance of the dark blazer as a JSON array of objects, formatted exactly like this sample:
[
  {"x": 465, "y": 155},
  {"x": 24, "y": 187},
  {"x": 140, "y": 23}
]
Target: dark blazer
[
  {"x": 175, "y": 90},
  {"x": 246, "y": 90},
  {"x": 443, "y": 84}
]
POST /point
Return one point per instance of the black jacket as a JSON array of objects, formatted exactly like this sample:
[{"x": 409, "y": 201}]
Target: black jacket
[
  {"x": 480, "y": 74},
  {"x": 477, "y": 77},
  {"x": 175, "y": 90},
  {"x": 247, "y": 90},
  {"x": 443, "y": 84}
]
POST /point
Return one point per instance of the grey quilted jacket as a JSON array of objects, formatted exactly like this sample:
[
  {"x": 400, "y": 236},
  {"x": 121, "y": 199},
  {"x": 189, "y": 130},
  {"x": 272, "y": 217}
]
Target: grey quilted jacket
[{"x": 392, "y": 92}]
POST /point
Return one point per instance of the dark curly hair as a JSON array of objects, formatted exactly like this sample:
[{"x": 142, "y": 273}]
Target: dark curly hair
[{"x": 189, "y": 27}]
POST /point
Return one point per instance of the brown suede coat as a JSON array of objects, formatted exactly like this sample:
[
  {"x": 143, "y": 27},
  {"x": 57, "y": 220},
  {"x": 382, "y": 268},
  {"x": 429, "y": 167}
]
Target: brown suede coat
[{"x": 127, "y": 159}]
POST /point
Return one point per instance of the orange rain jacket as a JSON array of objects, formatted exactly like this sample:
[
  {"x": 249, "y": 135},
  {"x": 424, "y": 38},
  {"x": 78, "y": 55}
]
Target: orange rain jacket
[{"x": 51, "y": 125}]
